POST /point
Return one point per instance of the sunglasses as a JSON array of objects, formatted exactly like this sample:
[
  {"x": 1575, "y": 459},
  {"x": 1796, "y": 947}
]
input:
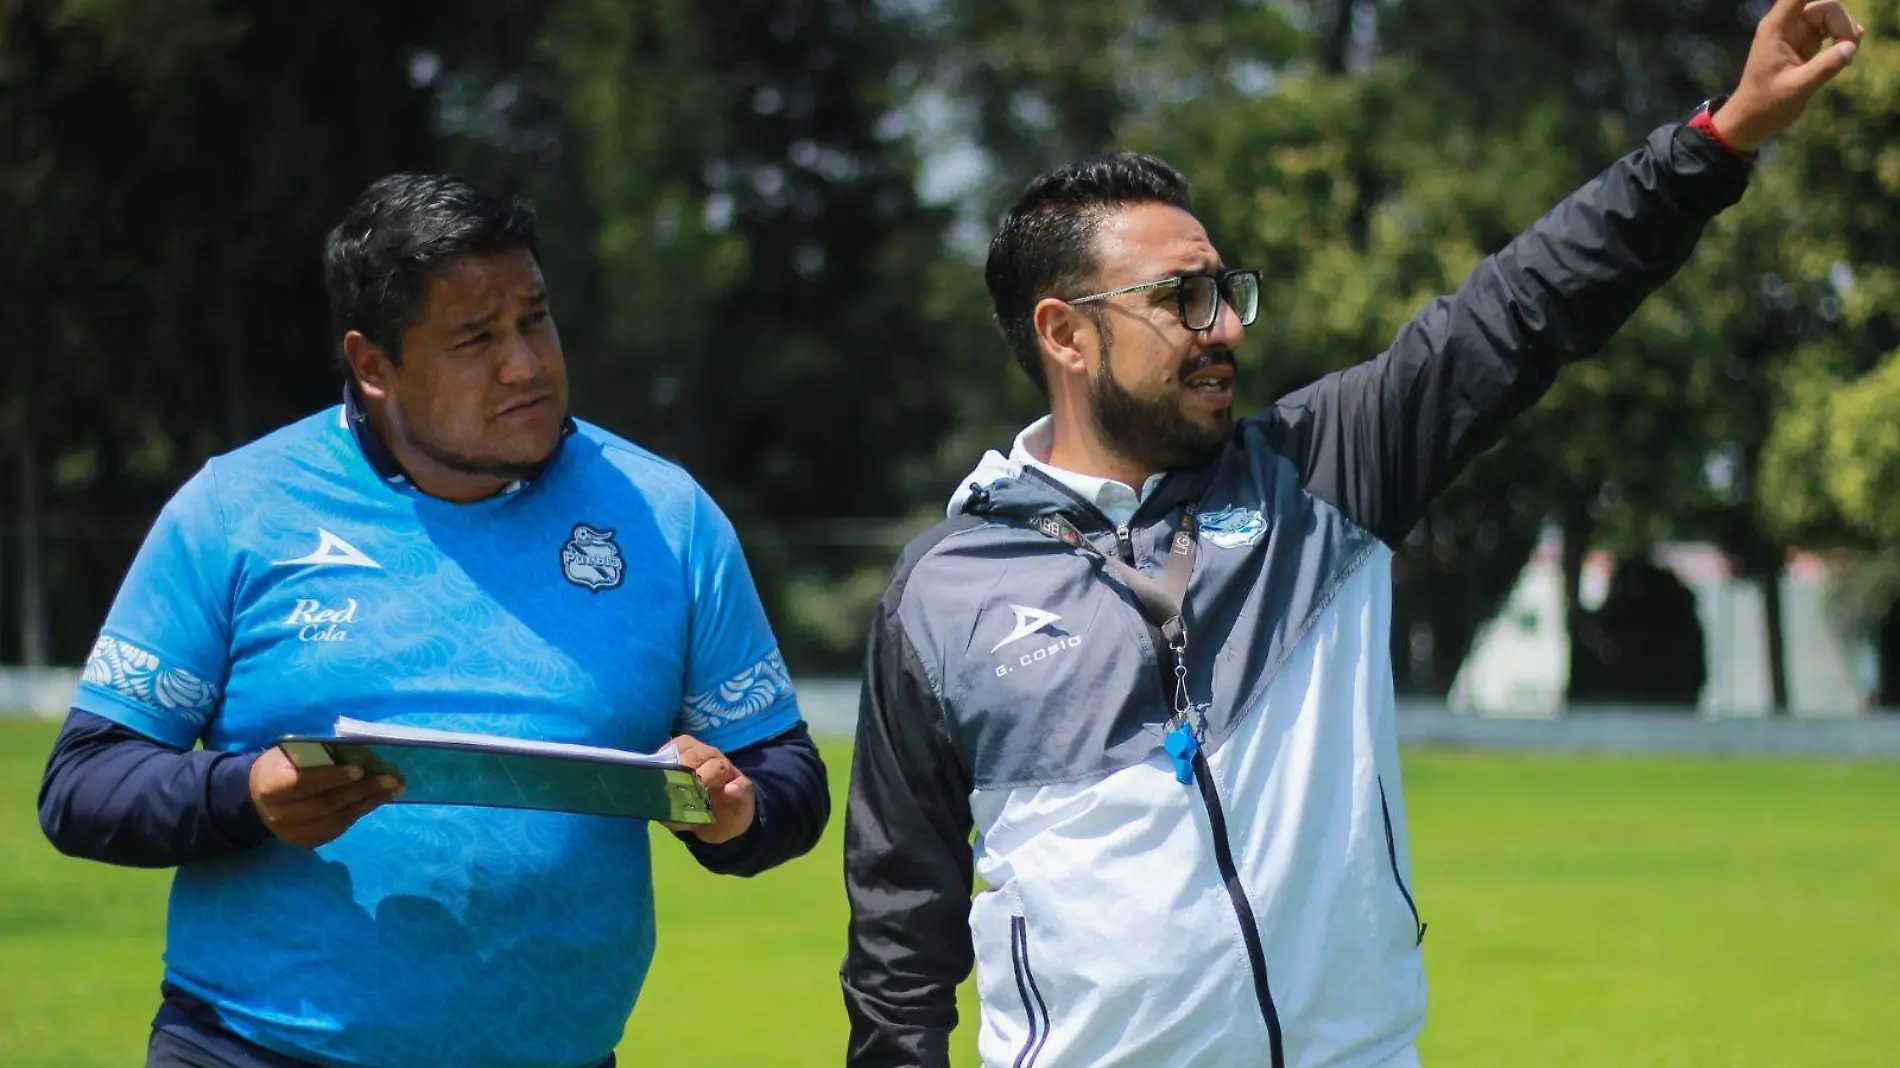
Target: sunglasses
[{"x": 1199, "y": 296}]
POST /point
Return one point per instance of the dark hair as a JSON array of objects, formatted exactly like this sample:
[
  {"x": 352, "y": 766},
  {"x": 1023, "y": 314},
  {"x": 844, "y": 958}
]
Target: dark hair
[
  {"x": 377, "y": 260},
  {"x": 1046, "y": 243}
]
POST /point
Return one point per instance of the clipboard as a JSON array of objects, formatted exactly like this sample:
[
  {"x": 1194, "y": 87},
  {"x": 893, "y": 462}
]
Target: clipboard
[{"x": 454, "y": 768}]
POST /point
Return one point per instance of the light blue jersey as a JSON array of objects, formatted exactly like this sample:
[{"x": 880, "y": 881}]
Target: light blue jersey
[{"x": 607, "y": 603}]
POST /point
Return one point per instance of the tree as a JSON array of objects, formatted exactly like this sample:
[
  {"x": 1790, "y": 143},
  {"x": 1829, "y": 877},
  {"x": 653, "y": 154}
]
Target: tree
[
  {"x": 1831, "y": 468},
  {"x": 1352, "y": 182},
  {"x": 763, "y": 250},
  {"x": 169, "y": 175}
]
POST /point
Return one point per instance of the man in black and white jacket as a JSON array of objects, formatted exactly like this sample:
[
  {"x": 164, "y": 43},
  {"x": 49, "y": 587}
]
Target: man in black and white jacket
[{"x": 1146, "y": 659}]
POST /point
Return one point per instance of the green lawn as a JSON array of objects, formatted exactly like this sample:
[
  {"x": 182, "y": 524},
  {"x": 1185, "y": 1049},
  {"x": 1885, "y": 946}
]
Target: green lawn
[{"x": 1584, "y": 912}]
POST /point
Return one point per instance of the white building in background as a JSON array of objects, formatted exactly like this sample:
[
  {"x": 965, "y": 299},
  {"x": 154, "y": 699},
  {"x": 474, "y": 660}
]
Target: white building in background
[{"x": 1520, "y": 661}]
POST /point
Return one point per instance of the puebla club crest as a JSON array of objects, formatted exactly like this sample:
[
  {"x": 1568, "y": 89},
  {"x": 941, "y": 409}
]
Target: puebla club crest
[
  {"x": 1234, "y": 527},
  {"x": 591, "y": 559}
]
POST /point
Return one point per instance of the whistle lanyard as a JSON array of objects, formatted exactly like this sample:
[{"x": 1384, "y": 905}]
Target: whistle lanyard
[{"x": 1163, "y": 604}]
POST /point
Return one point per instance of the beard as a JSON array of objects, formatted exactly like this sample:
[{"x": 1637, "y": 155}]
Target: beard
[
  {"x": 500, "y": 467},
  {"x": 511, "y": 470},
  {"x": 1154, "y": 433}
]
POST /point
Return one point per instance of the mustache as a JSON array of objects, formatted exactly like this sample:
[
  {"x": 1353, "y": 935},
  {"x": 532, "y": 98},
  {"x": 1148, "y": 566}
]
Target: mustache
[{"x": 1214, "y": 356}]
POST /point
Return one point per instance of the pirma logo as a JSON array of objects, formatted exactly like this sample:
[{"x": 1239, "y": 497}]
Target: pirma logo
[
  {"x": 1028, "y": 621},
  {"x": 1031, "y": 622},
  {"x": 332, "y": 551}
]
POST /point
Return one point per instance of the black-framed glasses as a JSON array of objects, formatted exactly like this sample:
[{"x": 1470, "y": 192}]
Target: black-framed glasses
[{"x": 1199, "y": 295}]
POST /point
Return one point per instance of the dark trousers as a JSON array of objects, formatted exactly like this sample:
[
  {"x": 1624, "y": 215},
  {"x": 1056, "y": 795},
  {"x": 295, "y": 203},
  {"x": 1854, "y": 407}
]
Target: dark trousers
[{"x": 169, "y": 1051}]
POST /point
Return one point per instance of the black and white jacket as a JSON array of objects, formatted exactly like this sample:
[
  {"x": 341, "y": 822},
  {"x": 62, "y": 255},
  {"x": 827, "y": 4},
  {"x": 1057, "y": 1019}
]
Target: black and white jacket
[{"x": 1263, "y": 913}]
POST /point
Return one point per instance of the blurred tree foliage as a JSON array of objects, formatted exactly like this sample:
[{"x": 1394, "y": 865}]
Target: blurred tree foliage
[
  {"x": 1830, "y": 474},
  {"x": 166, "y": 173},
  {"x": 763, "y": 223}
]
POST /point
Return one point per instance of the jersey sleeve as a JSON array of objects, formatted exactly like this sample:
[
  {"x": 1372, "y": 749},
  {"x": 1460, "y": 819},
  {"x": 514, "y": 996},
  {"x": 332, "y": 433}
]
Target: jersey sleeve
[
  {"x": 162, "y": 658},
  {"x": 738, "y": 690}
]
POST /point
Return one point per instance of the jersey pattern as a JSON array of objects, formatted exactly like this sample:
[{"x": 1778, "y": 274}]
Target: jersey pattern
[{"x": 606, "y": 602}]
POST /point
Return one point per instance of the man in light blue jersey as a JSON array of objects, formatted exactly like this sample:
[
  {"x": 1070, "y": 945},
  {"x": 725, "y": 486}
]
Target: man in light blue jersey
[{"x": 446, "y": 548}]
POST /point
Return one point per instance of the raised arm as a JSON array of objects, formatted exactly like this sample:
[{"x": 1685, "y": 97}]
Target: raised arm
[{"x": 1382, "y": 439}]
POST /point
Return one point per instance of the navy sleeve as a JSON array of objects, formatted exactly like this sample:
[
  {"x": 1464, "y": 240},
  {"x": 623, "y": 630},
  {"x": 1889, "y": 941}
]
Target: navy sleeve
[
  {"x": 794, "y": 804},
  {"x": 114, "y": 795}
]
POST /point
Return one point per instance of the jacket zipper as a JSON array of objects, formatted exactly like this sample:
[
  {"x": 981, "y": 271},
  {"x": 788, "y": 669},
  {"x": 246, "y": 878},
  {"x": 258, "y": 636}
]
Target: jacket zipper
[
  {"x": 1243, "y": 910},
  {"x": 1216, "y": 818},
  {"x": 1223, "y": 848},
  {"x": 1034, "y": 1010},
  {"x": 1392, "y": 851}
]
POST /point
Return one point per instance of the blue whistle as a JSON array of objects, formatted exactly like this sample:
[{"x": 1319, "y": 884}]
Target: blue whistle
[{"x": 1181, "y": 746}]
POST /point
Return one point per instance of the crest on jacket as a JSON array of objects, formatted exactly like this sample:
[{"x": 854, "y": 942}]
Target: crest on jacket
[
  {"x": 592, "y": 559},
  {"x": 1233, "y": 527}
]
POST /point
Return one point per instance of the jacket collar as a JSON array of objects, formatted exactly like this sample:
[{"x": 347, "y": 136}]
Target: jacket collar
[{"x": 1004, "y": 489}]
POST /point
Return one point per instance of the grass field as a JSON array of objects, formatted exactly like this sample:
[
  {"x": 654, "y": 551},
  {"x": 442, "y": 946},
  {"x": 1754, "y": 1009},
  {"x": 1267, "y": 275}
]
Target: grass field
[{"x": 1584, "y": 912}]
